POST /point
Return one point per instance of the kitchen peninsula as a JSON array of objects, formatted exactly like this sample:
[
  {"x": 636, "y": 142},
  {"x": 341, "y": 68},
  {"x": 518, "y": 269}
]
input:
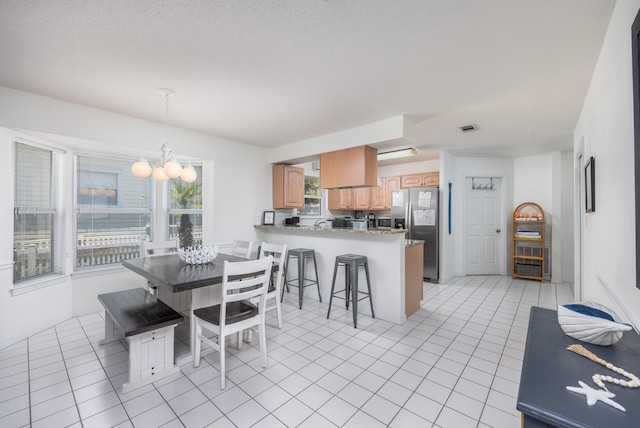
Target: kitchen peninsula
[{"x": 384, "y": 248}]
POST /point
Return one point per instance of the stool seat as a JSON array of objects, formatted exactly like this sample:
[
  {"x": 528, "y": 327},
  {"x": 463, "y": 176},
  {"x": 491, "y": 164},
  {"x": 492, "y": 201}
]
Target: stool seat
[
  {"x": 301, "y": 281},
  {"x": 351, "y": 263}
]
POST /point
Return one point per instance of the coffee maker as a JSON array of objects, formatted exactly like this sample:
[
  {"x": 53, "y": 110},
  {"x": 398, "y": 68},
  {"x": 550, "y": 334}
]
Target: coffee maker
[
  {"x": 399, "y": 223},
  {"x": 371, "y": 221}
]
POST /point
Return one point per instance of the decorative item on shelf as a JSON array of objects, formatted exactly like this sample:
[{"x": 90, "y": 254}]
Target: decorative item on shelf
[
  {"x": 339, "y": 221},
  {"x": 198, "y": 255},
  {"x": 168, "y": 167},
  {"x": 591, "y": 323},
  {"x": 268, "y": 218}
]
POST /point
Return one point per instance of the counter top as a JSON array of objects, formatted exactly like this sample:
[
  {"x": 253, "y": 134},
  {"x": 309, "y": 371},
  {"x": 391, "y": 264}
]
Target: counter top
[{"x": 335, "y": 230}]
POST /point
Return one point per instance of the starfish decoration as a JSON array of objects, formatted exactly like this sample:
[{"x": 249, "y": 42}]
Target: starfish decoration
[{"x": 594, "y": 395}]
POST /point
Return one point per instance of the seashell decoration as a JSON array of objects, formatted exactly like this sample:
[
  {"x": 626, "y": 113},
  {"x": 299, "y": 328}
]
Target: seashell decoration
[
  {"x": 198, "y": 255},
  {"x": 591, "y": 323}
]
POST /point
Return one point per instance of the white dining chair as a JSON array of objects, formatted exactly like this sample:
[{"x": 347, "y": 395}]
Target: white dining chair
[
  {"x": 242, "y": 248},
  {"x": 278, "y": 252},
  {"x": 241, "y": 281},
  {"x": 157, "y": 248}
]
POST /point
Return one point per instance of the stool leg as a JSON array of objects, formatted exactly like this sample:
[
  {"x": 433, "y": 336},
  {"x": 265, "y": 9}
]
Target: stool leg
[
  {"x": 333, "y": 287},
  {"x": 315, "y": 265},
  {"x": 347, "y": 284},
  {"x": 366, "y": 270},
  {"x": 284, "y": 279},
  {"x": 300, "y": 279},
  {"x": 354, "y": 293}
]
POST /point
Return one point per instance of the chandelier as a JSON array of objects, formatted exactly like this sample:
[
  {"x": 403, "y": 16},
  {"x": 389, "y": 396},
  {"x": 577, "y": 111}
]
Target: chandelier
[{"x": 168, "y": 166}]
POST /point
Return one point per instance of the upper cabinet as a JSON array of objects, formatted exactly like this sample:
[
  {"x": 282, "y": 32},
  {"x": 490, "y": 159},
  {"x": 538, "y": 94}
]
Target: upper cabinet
[
  {"x": 288, "y": 186},
  {"x": 341, "y": 199},
  {"x": 380, "y": 197},
  {"x": 354, "y": 167},
  {"x": 420, "y": 180}
]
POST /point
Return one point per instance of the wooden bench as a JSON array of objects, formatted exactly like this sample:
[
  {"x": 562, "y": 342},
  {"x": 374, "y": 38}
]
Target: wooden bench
[{"x": 148, "y": 326}]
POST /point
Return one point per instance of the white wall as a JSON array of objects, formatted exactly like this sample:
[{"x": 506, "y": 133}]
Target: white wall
[
  {"x": 539, "y": 179},
  {"x": 606, "y": 128},
  {"x": 237, "y": 184}
]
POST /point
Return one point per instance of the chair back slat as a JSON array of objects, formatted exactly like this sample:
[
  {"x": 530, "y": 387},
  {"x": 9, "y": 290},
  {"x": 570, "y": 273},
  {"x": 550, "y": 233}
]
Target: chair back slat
[
  {"x": 244, "y": 280},
  {"x": 242, "y": 248}
]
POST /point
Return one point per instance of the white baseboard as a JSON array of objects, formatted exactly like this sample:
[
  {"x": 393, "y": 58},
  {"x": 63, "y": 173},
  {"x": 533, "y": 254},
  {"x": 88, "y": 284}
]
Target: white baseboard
[
  {"x": 25, "y": 334},
  {"x": 621, "y": 307}
]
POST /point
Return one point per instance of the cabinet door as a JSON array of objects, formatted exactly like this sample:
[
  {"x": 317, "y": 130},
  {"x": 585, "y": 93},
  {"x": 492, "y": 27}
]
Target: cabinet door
[
  {"x": 294, "y": 187},
  {"x": 346, "y": 199},
  {"x": 288, "y": 187},
  {"x": 412, "y": 180},
  {"x": 431, "y": 179},
  {"x": 392, "y": 183},
  {"x": 362, "y": 198},
  {"x": 377, "y": 197}
]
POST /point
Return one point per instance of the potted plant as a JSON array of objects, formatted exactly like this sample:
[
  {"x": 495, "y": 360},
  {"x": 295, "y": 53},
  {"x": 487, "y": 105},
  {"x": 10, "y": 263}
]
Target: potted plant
[{"x": 339, "y": 221}]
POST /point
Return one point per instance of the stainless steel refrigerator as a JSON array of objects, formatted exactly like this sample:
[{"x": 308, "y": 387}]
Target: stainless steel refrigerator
[{"x": 419, "y": 208}]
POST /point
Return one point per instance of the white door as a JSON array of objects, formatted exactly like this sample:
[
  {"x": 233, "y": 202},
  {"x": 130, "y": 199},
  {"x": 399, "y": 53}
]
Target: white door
[{"x": 482, "y": 216}]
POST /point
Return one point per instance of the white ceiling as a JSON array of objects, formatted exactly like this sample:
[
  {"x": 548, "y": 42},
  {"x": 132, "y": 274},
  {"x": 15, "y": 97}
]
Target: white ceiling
[{"x": 274, "y": 72}]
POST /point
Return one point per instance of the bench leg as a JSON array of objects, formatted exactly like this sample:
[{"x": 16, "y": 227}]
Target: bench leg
[{"x": 111, "y": 332}]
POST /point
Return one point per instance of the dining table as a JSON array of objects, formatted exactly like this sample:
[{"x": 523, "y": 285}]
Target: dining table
[{"x": 174, "y": 277}]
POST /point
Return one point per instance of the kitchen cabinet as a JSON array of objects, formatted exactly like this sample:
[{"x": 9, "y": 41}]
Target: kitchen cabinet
[
  {"x": 341, "y": 199},
  {"x": 362, "y": 198},
  {"x": 353, "y": 167},
  {"x": 288, "y": 186},
  {"x": 420, "y": 180},
  {"x": 380, "y": 198},
  {"x": 414, "y": 272}
]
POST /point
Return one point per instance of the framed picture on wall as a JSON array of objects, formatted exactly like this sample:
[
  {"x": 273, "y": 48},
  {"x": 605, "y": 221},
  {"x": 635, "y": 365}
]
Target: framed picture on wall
[
  {"x": 590, "y": 185},
  {"x": 268, "y": 218}
]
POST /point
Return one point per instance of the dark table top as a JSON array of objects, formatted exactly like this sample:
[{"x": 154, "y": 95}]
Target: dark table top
[
  {"x": 548, "y": 368},
  {"x": 171, "y": 272}
]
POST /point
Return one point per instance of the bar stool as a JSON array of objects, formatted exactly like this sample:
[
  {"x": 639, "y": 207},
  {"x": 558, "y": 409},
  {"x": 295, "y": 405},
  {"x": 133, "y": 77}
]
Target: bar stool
[
  {"x": 351, "y": 263},
  {"x": 302, "y": 254}
]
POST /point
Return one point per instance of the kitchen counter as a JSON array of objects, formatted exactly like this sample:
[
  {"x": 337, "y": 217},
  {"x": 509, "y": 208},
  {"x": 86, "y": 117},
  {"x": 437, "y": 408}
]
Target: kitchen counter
[
  {"x": 336, "y": 230},
  {"x": 385, "y": 250}
]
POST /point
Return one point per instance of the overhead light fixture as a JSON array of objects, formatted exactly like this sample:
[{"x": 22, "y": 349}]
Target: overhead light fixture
[
  {"x": 168, "y": 166},
  {"x": 395, "y": 154}
]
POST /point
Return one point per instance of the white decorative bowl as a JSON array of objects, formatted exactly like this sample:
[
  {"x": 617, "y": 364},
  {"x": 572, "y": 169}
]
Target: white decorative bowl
[
  {"x": 591, "y": 322},
  {"x": 198, "y": 255}
]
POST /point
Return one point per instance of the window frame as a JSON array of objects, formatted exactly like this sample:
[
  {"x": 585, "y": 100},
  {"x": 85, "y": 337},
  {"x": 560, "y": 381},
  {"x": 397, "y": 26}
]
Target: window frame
[
  {"x": 320, "y": 198},
  {"x": 55, "y": 210},
  {"x": 80, "y": 209}
]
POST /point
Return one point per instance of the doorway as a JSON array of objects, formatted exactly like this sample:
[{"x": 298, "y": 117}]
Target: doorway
[{"x": 484, "y": 224}]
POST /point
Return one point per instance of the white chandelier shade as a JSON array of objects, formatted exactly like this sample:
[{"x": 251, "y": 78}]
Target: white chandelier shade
[{"x": 168, "y": 166}]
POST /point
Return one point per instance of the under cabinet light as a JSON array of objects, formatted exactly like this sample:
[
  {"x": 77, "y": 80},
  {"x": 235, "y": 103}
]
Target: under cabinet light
[{"x": 397, "y": 154}]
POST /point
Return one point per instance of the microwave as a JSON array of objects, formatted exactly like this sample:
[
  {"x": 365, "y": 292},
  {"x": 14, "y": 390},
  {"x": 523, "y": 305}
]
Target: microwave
[{"x": 384, "y": 222}]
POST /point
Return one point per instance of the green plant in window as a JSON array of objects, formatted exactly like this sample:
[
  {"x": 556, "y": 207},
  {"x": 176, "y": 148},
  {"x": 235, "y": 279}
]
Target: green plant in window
[{"x": 186, "y": 195}]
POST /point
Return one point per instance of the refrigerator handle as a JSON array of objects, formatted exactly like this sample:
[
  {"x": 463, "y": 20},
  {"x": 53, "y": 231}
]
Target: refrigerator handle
[{"x": 407, "y": 218}]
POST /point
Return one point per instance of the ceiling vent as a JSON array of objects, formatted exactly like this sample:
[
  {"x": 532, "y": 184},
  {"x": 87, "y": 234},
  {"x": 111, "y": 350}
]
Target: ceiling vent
[{"x": 469, "y": 128}]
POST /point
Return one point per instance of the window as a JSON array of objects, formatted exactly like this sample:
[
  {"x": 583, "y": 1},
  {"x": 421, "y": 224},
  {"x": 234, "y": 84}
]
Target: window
[
  {"x": 35, "y": 226},
  {"x": 185, "y": 210},
  {"x": 312, "y": 197},
  {"x": 113, "y": 211}
]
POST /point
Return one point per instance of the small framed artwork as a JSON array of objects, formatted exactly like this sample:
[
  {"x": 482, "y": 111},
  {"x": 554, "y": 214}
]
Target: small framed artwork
[
  {"x": 268, "y": 218},
  {"x": 590, "y": 185}
]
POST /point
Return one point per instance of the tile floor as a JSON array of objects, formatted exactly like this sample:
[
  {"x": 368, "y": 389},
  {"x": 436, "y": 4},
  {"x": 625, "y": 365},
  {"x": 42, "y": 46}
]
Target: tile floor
[{"x": 454, "y": 364}]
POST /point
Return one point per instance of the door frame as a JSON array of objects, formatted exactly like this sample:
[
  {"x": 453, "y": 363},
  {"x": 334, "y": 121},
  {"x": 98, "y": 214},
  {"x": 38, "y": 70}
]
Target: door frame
[
  {"x": 579, "y": 219},
  {"x": 502, "y": 263}
]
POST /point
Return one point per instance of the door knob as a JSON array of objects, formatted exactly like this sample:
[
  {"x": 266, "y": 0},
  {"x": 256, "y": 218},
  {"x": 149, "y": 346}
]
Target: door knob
[{"x": 498, "y": 231}]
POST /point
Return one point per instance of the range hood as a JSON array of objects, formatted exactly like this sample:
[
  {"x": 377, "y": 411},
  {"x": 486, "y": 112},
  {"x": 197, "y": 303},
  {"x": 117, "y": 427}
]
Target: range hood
[{"x": 347, "y": 168}]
